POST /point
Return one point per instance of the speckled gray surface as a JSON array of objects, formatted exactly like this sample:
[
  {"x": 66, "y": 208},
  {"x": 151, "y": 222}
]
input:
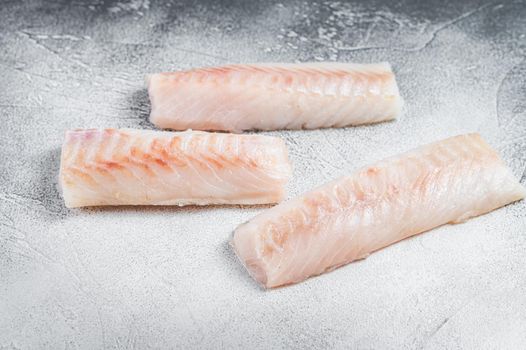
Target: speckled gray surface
[{"x": 165, "y": 277}]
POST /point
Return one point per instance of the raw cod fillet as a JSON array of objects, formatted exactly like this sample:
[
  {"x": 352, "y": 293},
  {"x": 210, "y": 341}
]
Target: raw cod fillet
[
  {"x": 347, "y": 219},
  {"x": 274, "y": 96},
  {"x": 143, "y": 167}
]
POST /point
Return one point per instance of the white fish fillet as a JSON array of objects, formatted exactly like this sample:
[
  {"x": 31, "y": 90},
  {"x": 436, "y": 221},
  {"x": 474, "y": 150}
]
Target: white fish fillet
[
  {"x": 347, "y": 219},
  {"x": 143, "y": 167},
  {"x": 274, "y": 96}
]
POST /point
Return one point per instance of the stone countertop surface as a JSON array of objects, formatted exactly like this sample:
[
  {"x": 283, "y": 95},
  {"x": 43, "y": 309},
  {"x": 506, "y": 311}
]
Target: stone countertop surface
[{"x": 143, "y": 277}]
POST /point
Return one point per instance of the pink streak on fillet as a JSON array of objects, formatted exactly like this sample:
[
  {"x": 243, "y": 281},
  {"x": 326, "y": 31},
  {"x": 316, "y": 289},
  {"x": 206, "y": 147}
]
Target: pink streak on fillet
[
  {"x": 347, "y": 219},
  {"x": 274, "y": 96},
  {"x": 144, "y": 167}
]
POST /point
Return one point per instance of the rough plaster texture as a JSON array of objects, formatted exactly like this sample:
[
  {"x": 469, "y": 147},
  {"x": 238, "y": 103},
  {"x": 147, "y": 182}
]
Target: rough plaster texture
[{"x": 165, "y": 277}]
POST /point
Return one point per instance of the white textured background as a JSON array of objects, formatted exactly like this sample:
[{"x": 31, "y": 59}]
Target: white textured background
[{"x": 165, "y": 277}]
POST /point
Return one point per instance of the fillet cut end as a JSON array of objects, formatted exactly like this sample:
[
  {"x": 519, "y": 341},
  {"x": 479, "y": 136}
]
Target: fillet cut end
[{"x": 244, "y": 245}]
